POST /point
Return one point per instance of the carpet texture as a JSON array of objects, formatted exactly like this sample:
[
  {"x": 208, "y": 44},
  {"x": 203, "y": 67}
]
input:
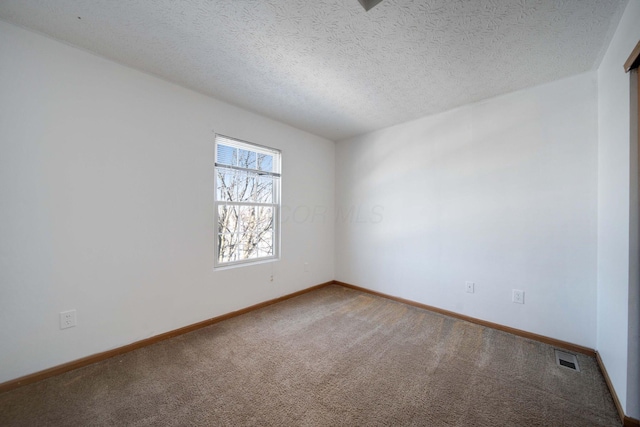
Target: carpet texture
[{"x": 331, "y": 357}]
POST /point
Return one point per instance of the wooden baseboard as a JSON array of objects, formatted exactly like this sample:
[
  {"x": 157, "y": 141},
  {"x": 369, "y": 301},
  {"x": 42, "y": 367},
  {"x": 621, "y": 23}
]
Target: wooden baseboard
[
  {"x": 551, "y": 341},
  {"x": 614, "y": 395},
  {"x": 626, "y": 421},
  {"x": 75, "y": 364}
]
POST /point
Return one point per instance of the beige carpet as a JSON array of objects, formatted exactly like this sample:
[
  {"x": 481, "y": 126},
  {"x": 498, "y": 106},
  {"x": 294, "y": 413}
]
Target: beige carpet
[{"x": 332, "y": 357}]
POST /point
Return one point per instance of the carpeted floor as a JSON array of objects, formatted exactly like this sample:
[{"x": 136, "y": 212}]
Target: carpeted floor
[{"x": 331, "y": 357}]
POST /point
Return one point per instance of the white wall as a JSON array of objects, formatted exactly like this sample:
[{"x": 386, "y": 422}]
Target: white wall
[
  {"x": 617, "y": 293},
  {"x": 501, "y": 193},
  {"x": 106, "y": 205}
]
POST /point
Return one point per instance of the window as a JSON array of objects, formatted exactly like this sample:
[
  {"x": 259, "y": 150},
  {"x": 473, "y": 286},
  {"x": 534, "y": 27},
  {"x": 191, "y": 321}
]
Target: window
[{"x": 247, "y": 202}]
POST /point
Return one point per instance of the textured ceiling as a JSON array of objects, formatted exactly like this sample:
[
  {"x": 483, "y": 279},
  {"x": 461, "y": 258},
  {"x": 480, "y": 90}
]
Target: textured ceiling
[{"x": 329, "y": 67}]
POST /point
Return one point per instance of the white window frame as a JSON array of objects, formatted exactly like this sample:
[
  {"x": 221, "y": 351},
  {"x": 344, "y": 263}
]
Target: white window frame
[{"x": 275, "y": 202}]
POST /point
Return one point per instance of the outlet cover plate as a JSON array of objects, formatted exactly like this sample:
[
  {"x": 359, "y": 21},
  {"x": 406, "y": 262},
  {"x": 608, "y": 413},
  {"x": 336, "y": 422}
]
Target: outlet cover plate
[
  {"x": 470, "y": 287},
  {"x": 67, "y": 319},
  {"x": 518, "y": 296}
]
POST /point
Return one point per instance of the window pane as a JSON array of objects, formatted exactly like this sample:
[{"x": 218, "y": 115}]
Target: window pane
[
  {"x": 227, "y": 245},
  {"x": 264, "y": 239},
  {"x": 246, "y": 159},
  {"x": 264, "y": 189},
  {"x": 226, "y": 155},
  {"x": 227, "y": 219},
  {"x": 246, "y": 184},
  {"x": 226, "y": 188},
  {"x": 265, "y": 162},
  {"x": 245, "y": 232},
  {"x": 247, "y": 224}
]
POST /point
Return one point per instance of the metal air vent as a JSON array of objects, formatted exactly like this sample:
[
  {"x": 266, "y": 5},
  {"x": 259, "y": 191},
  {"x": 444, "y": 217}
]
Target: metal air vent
[{"x": 567, "y": 360}]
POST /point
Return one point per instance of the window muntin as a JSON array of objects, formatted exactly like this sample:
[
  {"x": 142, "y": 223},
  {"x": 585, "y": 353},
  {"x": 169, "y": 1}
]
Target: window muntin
[{"x": 247, "y": 202}]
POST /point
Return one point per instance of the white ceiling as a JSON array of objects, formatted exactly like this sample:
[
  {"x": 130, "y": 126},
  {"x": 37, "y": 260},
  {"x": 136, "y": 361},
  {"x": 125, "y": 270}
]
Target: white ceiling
[{"x": 329, "y": 67}]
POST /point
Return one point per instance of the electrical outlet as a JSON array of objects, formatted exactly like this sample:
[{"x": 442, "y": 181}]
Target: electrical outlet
[
  {"x": 67, "y": 319},
  {"x": 306, "y": 267},
  {"x": 469, "y": 286},
  {"x": 518, "y": 296}
]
